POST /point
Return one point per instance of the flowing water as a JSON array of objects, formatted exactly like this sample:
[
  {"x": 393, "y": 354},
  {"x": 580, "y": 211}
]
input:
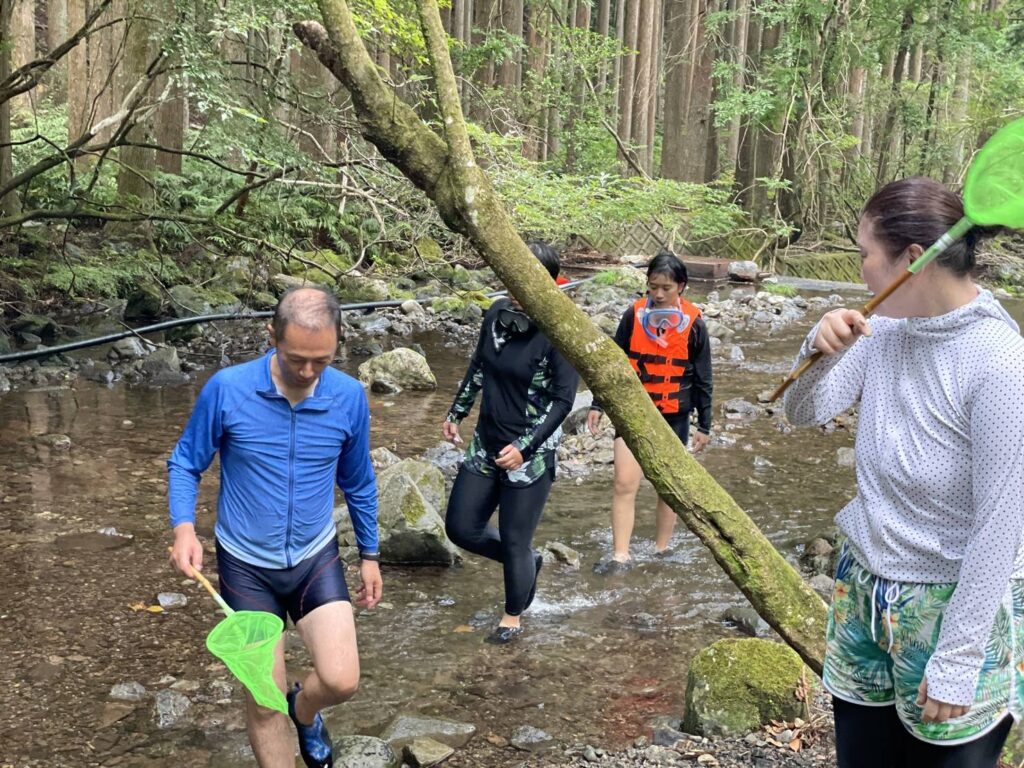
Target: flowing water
[{"x": 601, "y": 654}]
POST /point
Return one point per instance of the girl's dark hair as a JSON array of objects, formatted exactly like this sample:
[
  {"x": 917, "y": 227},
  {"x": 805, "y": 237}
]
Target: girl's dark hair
[
  {"x": 667, "y": 263},
  {"x": 919, "y": 210},
  {"x": 546, "y": 255}
]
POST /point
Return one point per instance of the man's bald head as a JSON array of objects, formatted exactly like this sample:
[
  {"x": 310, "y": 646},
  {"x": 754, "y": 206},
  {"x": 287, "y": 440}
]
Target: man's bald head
[{"x": 313, "y": 308}]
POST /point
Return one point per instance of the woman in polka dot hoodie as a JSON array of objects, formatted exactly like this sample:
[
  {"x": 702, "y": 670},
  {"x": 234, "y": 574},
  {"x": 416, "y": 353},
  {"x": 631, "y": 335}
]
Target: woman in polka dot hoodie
[{"x": 926, "y": 625}]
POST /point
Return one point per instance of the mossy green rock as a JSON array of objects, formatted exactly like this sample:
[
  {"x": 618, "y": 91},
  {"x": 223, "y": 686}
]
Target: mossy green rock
[
  {"x": 357, "y": 289},
  {"x": 736, "y": 686},
  {"x": 428, "y": 250},
  {"x": 411, "y": 500},
  {"x": 145, "y": 303},
  {"x": 187, "y": 301},
  {"x": 39, "y": 325},
  {"x": 402, "y": 367}
]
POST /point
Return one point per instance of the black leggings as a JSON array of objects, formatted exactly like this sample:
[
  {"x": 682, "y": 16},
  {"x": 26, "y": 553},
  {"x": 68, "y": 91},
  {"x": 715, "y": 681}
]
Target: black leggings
[
  {"x": 874, "y": 737},
  {"x": 472, "y": 502}
]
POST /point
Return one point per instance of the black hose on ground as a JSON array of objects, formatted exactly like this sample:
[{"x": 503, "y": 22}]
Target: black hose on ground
[{"x": 31, "y": 354}]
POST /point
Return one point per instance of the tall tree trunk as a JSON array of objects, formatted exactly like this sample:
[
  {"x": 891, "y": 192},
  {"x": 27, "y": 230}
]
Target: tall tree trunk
[
  {"x": 535, "y": 60},
  {"x": 628, "y": 69},
  {"x": 604, "y": 12},
  {"x": 22, "y": 28},
  {"x": 57, "y": 31},
  {"x": 688, "y": 90},
  {"x": 776, "y": 591},
  {"x": 620, "y": 38},
  {"x": 171, "y": 122},
  {"x": 657, "y": 63},
  {"x": 135, "y": 171},
  {"x": 10, "y": 205},
  {"x": 958, "y": 111},
  {"x": 741, "y": 28},
  {"x": 887, "y": 137},
  {"x": 643, "y": 88},
  {"x": 78, "y": 74},
  {"x": 510, "y": 74}
]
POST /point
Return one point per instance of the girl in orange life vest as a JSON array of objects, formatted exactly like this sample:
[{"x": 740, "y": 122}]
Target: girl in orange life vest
[{"x": 667, "y": 344}]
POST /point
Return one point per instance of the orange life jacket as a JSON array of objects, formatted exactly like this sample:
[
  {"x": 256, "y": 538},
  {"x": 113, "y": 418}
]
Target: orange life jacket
[{"x": 661, "y": 368}]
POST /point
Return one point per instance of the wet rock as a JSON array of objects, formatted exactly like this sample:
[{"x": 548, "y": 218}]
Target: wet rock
[
  {"x": 760, "y": 462},
  {"x": 129, "y": 348},
  {"x": 645, "y": 622},
  {"x": 171, "y": 600},
  {"x": 375, "y": 325},
  {"x": 413, "y": 308},
  {"x": 5, "y": 384},
  {"x": 172, "y": 709},
  {"x": 56, "y": 441},
  {"x": 187, "y": 301},
  {"x": 823, "y": 585},
  {"x": 845, "y": 457},
  {"x": 382, "y": 458},
  {"x": 145, "y": 303},
  {"x": 41, "y": 327},
  {"x": 98, "y": 370},
  {"x": 576, "y": 422},
  {"x": 368, "y": 349},
  {"x": 162, "y": 360},
  {"x": 666, "y": 730},
  {"x": 364, "y": 752},
  {"x": 385, "y": 387},
  {"x": 740, "y": 407},
  {"x": 736, "y": 354},
  {"x": 743, "y": 271},
  {"x": 561, "y": 553},
  {"x": 405, "y": 728},
  {"x": 410, "y": 500},
  {"x": 817, "y": 556},
  {"x": 403, "y": 367},
  {"x": 472, "y": 313},
  {"x": 745, "y": 619},
  {"x": 425, "y": 752},
  {"x": 735, "y": 686},
  {"x": 590, "y": 754},
  {"x": 446, "y": 457},
  {"x": 718, "y": 330},
  {"x": 530, "y": 739}
]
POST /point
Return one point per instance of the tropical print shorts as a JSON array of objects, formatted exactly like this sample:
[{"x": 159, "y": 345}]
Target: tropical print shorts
[{"x": 881, "y": 634}]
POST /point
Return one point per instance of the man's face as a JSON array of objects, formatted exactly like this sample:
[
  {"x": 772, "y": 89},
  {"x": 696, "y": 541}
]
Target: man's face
[{"x": 303, "y": 354}]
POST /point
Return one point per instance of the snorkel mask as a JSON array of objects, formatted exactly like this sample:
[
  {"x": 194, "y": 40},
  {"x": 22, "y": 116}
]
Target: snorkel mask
[
  {"x": 657, "y": 321},
  {"x": 513, "y": 320}
]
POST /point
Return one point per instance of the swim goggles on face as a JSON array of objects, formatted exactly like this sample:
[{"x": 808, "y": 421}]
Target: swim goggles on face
[
  {"x": 513, "y": 320},
  {"x": 657, "y": 321}
]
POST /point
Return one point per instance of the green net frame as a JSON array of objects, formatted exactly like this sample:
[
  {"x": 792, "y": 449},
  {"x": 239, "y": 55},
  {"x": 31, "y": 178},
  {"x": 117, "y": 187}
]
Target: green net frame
[{"x": 245, "y": 642}]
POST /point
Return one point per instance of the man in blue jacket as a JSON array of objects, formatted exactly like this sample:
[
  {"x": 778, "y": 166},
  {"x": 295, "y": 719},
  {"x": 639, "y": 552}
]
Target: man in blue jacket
[{"x": 287, "y": 427}]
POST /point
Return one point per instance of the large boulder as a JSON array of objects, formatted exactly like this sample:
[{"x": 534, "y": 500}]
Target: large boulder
[
  {"x": 410, "y": 503},
  {"x": 736, "y": 686},
  {"x": 743, "y": 271},
  {"x": 27, "y": 326},
  {"x": 187, "y": 301},
  {"x": 145, "y": 303},
  {"x": 401, "y": 367}
]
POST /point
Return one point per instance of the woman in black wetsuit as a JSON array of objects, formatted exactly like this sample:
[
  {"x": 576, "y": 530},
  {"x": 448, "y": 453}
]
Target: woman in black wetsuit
[{"x": 528, "y": 389}]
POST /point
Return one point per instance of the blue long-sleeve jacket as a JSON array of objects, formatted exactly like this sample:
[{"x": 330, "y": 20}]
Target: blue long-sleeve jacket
[{"x": 278, "y": 464}]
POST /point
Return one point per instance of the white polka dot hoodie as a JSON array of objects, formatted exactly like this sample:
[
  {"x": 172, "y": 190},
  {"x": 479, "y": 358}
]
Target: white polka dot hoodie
[{"x": 940, "y": 464}]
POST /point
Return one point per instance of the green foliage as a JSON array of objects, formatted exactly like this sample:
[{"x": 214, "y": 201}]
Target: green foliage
[{"x": 779, "y": 289}]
